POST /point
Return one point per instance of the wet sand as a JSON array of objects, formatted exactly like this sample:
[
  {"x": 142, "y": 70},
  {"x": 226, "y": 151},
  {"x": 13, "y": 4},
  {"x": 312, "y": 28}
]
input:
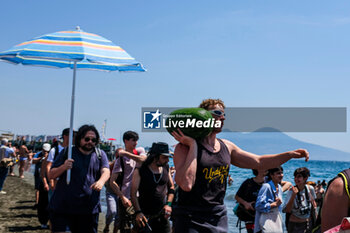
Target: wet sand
[{"x": 16, "y": 206}]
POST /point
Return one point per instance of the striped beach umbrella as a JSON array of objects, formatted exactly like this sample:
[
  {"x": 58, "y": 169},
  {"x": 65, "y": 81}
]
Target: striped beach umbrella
[
  {"x": 66, "y": 48},
  {"x": 75, "y": 50}
]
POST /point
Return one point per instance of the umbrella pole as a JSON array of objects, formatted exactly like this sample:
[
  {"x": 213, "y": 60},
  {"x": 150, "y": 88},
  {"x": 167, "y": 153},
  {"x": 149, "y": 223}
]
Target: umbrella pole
[{"x": 71, "y": 122}]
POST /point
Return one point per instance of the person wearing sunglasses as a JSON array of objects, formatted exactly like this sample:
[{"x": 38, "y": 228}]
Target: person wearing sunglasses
[
  {"x": 77, "y": 205},
  {"x": 202, "y": 168}
]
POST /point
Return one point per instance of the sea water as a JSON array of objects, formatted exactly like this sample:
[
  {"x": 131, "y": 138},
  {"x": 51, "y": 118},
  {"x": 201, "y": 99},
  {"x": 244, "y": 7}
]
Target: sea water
[{"x": 320, "y": 170}]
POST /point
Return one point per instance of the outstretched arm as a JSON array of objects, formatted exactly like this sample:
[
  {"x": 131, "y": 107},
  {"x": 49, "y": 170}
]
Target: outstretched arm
[
  {"x": 244, "y": 159},
  {"x": 185, "y": 161}
]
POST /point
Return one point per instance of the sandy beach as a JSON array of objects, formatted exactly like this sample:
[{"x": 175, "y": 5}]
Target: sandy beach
[{"x": 16, "y": 212}]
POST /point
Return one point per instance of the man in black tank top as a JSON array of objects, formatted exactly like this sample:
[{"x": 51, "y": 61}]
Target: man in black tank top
[
  {"x": 154, "y": 183},
  {"x": 336, "y": 203},
  {"x": 201, "y": 172}
]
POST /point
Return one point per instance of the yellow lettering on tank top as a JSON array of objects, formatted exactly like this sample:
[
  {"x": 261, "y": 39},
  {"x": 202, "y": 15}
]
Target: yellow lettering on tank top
[{"x": 219, "y": 173}]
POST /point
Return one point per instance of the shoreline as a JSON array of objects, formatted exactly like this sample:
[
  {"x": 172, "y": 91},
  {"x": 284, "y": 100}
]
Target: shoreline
[{"x": 16, "y": 212}]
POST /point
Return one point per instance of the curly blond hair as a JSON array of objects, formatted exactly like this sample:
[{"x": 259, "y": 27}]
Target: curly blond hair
[{"x": 211, "y": 102}]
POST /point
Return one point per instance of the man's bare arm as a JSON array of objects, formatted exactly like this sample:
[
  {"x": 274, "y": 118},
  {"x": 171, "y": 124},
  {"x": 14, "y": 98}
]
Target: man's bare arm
[
  {"x": 57, "y": 171},
  {"x": 185, "y": 160},
  {"x": 98, "y": 185},
  {"x": 134, "y": 188},
  {"x": 335, "y": 205},
  {"x": 117, "y": 190},
  {"x": 138, "y": 158},
  {"x": 244, "y": 159}
]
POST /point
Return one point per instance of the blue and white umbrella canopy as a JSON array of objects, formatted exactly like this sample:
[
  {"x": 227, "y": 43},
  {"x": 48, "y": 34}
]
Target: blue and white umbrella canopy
[
  {"x": 62, "y": 49},
  {"x": 75, "y": 50}
]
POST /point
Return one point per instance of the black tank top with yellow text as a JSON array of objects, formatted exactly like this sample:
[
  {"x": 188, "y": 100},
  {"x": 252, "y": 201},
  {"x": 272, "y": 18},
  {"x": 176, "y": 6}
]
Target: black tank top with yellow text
[{"x": 211, "y": 178}]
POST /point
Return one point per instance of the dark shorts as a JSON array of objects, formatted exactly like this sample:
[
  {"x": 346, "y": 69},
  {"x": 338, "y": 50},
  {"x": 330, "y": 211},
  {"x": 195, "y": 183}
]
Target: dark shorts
[
  {"x": 200, "y": 220},
  {"x": 302, "y": 227},
  {"x": 77, "y": 223},
  {"x": 36, "y": 182}
]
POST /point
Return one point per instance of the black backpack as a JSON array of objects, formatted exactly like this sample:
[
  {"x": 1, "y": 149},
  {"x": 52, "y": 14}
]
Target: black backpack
[{"x": 120, "y": 177}]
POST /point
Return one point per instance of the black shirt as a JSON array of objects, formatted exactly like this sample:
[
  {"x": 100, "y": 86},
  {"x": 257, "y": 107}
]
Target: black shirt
[
  {"x": 249, "y": 190},
  {"x": 211, "y": 178},
  {"x": 153, "y": 190}
]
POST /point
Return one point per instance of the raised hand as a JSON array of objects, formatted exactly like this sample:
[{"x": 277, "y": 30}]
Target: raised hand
[
  {"x": 183, "y": 139},
  {"x": 300, "y": 153}
]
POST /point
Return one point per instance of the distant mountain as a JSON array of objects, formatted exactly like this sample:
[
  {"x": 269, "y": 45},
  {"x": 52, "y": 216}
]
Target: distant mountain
[{"x": 268, "y": 141}]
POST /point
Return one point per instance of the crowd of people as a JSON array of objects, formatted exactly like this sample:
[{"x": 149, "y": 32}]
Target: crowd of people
[
  {"x": 143, "y": 194},
  {"x": 260, "y": 201}
]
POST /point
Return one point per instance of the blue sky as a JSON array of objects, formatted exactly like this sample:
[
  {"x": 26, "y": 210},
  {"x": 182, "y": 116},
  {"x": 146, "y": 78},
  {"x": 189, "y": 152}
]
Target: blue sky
[{"x": 248, "y": 53}]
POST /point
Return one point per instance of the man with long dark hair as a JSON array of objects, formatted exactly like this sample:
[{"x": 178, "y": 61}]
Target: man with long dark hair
[
  {"x": 154, "y": 183},
  {"x": 77, "y": 205}
]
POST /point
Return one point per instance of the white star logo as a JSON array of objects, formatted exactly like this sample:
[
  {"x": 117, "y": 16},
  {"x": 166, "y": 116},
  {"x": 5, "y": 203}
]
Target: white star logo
[{"x": 156, "y": 115}]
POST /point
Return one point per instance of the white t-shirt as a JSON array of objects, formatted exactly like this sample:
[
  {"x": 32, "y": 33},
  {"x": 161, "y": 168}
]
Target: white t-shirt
[
  {"x": 302, "y": 208},
  {"x": 129, "y": 167},
  {"x": 50, "y": 157}
]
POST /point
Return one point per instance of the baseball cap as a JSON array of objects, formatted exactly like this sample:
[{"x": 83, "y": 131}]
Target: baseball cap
[
  {"x": 46, "y": 147},
  {"x": 161, "y": 148},
  {"x": 65, "y": 132}
]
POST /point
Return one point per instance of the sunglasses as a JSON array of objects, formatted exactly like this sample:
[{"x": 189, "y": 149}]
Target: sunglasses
[
  {"x": 87, "y": 139},
  {"x": 217, "y": 113}
]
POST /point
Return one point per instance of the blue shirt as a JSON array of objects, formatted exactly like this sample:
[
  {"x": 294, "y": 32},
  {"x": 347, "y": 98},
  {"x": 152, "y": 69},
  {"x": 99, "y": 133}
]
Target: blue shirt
[
  {"x": 78, "y": 197},
  {"x": 5, "y": 152},
  {"x": 38, "y": 164},
  {"x": 263, "y": 203}
]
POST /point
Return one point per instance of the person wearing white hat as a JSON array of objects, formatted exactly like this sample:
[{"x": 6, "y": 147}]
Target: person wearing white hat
[
  {"x": 42, "y": 185},
  {"x": 37, "y": 160}
]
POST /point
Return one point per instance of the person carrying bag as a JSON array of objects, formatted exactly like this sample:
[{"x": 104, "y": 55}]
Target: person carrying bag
[{"x": 268, "y": 218}]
